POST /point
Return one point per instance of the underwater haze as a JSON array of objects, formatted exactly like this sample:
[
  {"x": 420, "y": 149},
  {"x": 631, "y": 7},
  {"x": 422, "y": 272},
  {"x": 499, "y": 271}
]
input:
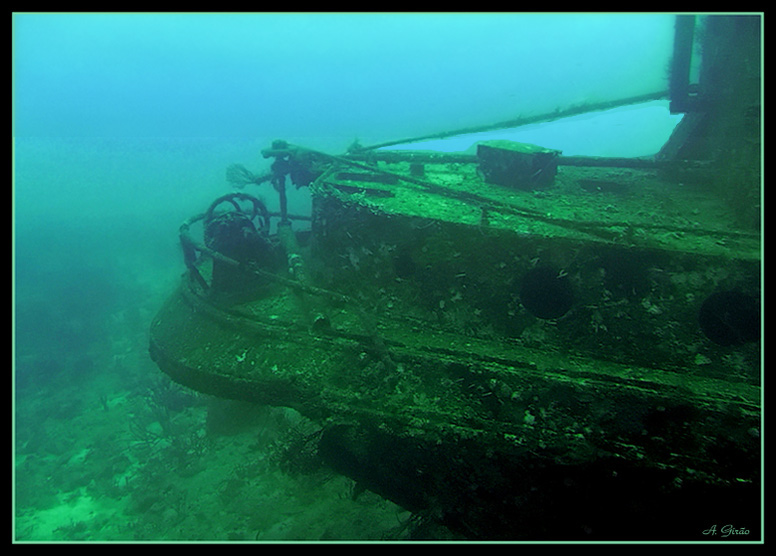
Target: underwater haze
[{"x": 124, "y": 125}]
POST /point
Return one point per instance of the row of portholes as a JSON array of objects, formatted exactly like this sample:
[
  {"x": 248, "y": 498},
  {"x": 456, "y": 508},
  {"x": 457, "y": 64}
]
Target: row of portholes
[{"x": 727, "y": 318}]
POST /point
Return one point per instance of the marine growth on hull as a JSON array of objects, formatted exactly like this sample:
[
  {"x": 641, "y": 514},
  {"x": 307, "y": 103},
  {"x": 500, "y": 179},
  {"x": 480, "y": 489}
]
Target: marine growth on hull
[{"x": 431, "y": 302}]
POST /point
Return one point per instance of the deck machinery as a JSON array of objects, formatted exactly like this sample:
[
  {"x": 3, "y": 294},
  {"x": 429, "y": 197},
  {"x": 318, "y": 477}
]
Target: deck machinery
[{"x": 508, "y": 342}]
